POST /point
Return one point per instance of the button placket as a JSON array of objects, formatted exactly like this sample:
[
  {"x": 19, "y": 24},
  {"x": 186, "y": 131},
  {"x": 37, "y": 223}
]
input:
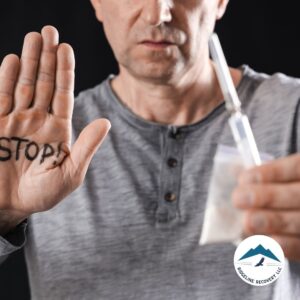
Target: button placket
[{"x": 170, "y": 175}]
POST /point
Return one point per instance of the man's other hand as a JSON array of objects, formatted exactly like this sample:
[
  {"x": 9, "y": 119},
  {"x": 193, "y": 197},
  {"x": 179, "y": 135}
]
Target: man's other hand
[{"x": 270, "y": 197}]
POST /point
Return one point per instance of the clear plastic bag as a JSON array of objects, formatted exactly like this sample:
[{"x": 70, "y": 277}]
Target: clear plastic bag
[{"x": 222, "y": 221}]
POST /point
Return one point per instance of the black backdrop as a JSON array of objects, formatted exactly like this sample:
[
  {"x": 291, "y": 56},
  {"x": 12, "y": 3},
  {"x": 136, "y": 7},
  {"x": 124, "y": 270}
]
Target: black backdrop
[{"x": 261, "y": 33}]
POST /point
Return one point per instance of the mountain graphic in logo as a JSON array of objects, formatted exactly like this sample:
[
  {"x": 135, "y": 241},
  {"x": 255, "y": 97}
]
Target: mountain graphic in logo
[{"x": 259, "y": 250}]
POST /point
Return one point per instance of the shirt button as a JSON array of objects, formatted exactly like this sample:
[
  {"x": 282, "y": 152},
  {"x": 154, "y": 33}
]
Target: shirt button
[
  {"x": 172, "y": 162},
  {"x": 170, "y": 197},
  {"x": 176, "y": 135}
]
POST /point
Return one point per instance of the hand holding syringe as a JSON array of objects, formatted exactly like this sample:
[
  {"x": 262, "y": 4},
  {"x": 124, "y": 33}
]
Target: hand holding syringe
[
  {"x": 228, "y": 216},
  {"x": 222, "y": 222},
  {"x": 238, "y": 121}
]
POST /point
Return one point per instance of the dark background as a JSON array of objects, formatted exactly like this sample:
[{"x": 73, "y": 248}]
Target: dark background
[{"x": 261, "y": 33}]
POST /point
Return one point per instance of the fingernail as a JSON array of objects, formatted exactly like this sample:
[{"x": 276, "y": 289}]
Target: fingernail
[
  {"x": 245, "y": 198},
  {"x": 250, "y": 177},
  {"x": 257, "y": 221}
]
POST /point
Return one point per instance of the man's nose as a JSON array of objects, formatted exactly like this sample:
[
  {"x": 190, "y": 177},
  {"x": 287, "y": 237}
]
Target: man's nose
[{"x": 156, "y": 12}]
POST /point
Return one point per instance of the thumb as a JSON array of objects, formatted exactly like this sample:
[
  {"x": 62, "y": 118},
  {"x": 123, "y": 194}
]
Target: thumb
[{"x": 85, "y": 147}]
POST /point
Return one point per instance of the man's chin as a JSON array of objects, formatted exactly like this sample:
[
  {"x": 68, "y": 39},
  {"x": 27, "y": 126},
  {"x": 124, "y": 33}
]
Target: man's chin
[{"x": 155, "y": 75}]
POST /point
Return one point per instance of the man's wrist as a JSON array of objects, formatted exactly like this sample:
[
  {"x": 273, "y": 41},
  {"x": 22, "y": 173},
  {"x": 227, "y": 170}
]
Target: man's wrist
[{"x": 9, "y": 221}]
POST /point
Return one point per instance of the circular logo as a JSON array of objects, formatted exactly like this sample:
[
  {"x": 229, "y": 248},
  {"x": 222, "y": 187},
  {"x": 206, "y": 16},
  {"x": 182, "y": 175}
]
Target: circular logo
[{"x": 259, "y": 260}]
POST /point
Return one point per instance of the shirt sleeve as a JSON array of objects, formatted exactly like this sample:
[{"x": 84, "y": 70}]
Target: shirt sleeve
[{"x": 13, "y": 240}]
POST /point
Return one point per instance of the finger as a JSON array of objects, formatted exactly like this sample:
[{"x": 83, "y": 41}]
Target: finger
[
  {"x": 285, "y": 169},
  {"x": 275, "y": 196},
  {"x": 46, "y": 74},
  {"x": 272, "y": 222},
  {"x": 290, "y": 246},
  {"x": 28, "y": 70},
  {"x": 62, "y": 105},
  {"x": 8, "y": 75},
  {"x": 88, "y": 142}
]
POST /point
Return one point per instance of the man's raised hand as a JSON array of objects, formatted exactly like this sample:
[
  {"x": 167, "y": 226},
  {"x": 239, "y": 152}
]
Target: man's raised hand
[{"x": 38, "y": 168}]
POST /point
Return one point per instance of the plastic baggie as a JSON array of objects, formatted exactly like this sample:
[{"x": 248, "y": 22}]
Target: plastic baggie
[{"x": 222, "y": 221}]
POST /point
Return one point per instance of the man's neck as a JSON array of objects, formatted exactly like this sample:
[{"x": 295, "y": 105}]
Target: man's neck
[{"x": 187, "y": 101}]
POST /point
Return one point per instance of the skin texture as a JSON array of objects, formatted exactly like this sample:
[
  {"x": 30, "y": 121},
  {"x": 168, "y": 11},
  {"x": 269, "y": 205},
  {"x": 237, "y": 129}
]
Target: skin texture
[{"x": 36, "y": 103}]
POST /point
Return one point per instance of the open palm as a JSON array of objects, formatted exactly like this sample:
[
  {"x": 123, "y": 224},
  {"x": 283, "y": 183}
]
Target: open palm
[{"x": 38, "y": 168}]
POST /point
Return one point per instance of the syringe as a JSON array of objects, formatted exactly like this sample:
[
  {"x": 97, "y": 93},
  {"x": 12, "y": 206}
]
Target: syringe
[{"x": 239, "y": 123}]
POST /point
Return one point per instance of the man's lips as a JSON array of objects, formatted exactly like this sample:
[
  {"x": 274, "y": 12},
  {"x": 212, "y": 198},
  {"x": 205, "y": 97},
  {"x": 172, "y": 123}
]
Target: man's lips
[{"x": 157, "y": 44}]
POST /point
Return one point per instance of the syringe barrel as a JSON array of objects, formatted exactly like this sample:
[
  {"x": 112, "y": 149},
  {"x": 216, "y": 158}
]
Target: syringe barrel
[{"x": 244, "y": 139}]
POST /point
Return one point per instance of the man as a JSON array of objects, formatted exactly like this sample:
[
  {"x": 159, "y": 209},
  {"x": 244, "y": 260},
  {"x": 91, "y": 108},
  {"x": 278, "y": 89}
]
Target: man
[{"x": 131, "y": 230}]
